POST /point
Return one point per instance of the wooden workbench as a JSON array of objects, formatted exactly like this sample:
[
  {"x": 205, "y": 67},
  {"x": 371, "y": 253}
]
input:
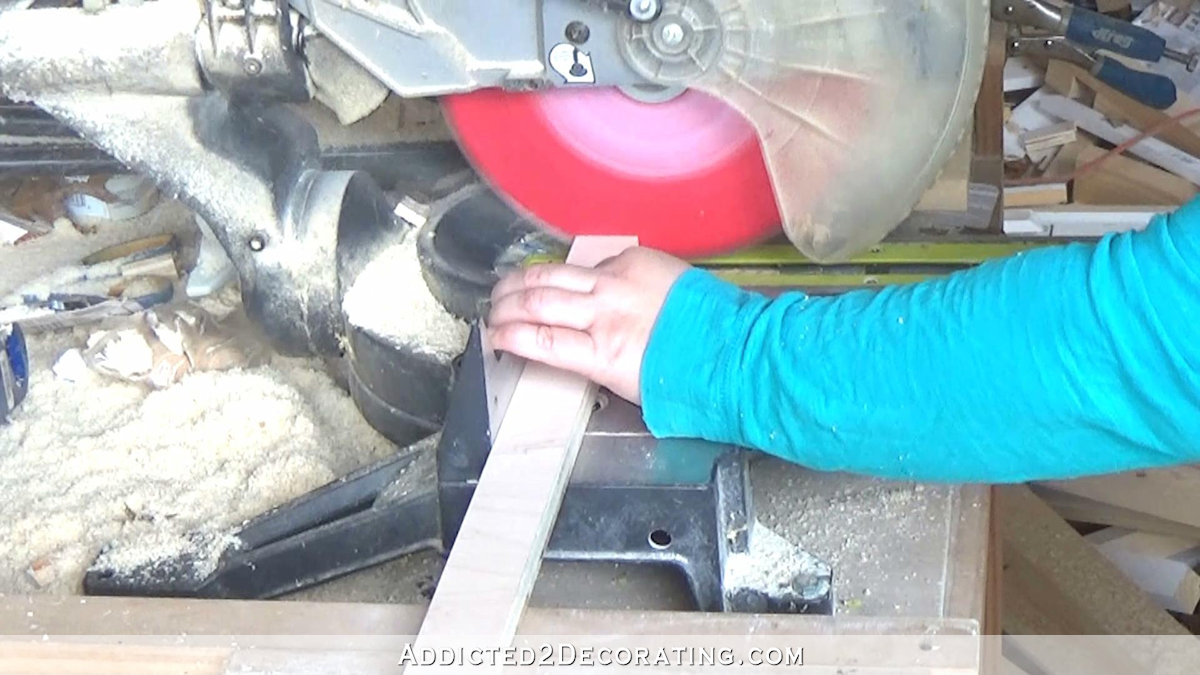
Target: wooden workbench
[{"x": 128, "y": 636}]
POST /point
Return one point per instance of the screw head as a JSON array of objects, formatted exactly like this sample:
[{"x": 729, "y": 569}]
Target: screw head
[
  {"x": 257, "y": 243},
  {"x": 672, "y": 34},
  {"x": 643, "y": 10},
  {"x": 252, "y": 65},
  {"x": 578, "y": 32}
]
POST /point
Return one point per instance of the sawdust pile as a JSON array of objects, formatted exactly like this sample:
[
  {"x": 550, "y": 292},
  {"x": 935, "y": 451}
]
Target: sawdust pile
[
  {"x": 391, "y": 300},
  {"x": 156, "y": 473},
  {"x": 872, "y": 532},
  {"x": 772, "y": 563}
]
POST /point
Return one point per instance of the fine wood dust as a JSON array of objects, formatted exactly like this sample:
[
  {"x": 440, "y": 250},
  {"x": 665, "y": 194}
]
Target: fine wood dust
[{"x": 152, "y": 474}]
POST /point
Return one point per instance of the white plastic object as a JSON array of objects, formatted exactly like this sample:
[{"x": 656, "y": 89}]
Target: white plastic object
[
  {"x": 132, "y": 196},
  {"x": 858, "y": 103},
  {"x": 214, "y": 270}
]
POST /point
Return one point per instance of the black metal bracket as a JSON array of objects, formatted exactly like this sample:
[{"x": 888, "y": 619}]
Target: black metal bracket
[{"x": 684, "y": 504}]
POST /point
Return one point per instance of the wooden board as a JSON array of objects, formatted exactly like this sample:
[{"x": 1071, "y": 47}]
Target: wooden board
[
  {"x": 1049, "y": 137},
  {"x": 1124, "y": 181},
  {"x": 1152, "y": 150},
  {"x": 989, "y": 111},
  {"x": 1056, "y": 583},
  {"x": 1022, "y": 196},
  {"x": 119, "y": 636},
  {"x": 1084, "y": 510},
  {"x": 1170, "y": 494},
  {"x": 490, "y": 572},
  {"x": 951, "y": 189}
]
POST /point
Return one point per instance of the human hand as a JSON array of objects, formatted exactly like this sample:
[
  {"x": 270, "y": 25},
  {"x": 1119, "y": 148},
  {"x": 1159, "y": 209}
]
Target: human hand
[{"x": 591, "y": 321}]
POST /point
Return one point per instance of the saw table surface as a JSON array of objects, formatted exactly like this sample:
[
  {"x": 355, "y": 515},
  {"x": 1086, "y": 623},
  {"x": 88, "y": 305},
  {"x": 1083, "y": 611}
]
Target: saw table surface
[{"x": 897, "y": 550}]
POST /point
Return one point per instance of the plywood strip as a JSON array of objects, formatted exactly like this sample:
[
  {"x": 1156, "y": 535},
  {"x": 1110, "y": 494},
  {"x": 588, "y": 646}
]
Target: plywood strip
[
  {"x": 1084, "y": 510},
  {"x": 1170, "y": 494},
  {"x": 495, "y": 559}
]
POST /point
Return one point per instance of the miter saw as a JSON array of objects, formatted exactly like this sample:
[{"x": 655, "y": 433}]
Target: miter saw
[
  {"x": 699, "y": 125},
  {"x": 702, "y": 126}
]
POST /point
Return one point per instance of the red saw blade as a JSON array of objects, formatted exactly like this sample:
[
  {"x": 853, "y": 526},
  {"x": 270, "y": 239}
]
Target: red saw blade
[{"x": 686, "y": 176}]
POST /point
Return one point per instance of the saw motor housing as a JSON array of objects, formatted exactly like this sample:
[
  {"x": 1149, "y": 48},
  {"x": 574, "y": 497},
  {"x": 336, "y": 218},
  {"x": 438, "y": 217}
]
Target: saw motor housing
[
  {"x": 438, "y": 47},
  {"x": 194, "y": 96}
]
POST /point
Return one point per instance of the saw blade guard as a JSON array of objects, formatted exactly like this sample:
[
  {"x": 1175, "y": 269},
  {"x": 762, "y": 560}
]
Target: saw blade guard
[{"x": 858, "y": 104}]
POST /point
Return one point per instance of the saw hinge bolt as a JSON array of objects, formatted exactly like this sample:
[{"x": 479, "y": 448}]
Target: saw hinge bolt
[
  {"x": 672, "y": 34},
  {"x": 643, "y": 10},
  {"x": 257, "y": 242}
]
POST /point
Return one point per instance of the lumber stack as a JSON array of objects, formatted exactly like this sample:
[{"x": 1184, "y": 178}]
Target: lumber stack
[
  {"x": 1135, "y": 567},
  {"x": 1073, "y": 603}
]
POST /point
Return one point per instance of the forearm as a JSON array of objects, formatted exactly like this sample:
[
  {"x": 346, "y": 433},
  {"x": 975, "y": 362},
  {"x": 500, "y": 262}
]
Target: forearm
[{"x": 1062, "y": 362}]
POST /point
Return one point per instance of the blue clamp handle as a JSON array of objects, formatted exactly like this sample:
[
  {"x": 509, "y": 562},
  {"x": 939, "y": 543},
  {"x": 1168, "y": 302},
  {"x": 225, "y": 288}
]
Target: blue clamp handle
[
  {"x": 1097, "y": 31},
  {"x": 1152, "y": 89},
  {"x": 14, "y": 370}
]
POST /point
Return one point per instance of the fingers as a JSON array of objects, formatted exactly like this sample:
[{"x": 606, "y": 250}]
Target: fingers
[
  {"x": 563, "y": 348},
  {"x": 545, "y": 305},
  {"x": 565, "y": 277}
]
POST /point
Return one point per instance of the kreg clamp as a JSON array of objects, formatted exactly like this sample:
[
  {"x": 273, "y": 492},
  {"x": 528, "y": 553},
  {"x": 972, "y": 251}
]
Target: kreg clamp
[
  {"x": 14, "y": 369},
  {"x": 1077, "y": 35}
]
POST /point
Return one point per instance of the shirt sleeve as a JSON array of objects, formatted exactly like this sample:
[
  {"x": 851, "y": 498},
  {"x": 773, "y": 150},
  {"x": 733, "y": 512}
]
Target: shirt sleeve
[{"x": 1060, "y": 362}]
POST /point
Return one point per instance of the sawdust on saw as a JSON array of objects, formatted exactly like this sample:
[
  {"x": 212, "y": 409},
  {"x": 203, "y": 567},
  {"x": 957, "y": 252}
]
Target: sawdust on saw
[
  {"x": 391, "y": 300},
  {"x": 886, "y": 541},
  {"x": 148, "y": 475}
]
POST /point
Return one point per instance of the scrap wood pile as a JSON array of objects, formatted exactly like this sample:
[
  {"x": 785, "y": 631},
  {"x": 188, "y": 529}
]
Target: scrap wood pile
[
  {"x": 1108, "y": 555},
  {"x": 1073, "y": 143},
  {"x": 145, "y": 420}
]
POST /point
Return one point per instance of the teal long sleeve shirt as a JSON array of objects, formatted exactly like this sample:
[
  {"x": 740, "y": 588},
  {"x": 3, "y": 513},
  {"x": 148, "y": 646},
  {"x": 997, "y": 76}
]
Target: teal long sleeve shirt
[{"x": 1062, "y": 362}]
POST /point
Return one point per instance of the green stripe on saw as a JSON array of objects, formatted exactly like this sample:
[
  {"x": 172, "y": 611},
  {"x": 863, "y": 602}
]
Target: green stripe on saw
[{"x": 782, "y": 266}]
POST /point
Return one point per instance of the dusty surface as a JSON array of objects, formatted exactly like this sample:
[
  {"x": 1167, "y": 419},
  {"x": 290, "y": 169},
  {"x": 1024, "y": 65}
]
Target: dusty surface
[
  {"x": 102, "y": 464},
  {"x": 885, "y": 541},
  {"x": 152, "y": 474}
]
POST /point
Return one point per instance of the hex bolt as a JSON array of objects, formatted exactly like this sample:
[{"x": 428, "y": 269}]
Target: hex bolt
[
  {"x": 643, "y": 10},
  {"x": 257, "y": 243},
  {"x": 252, "y": 65},
  {"x": 578, "y": 32},
  {"x": 672, "y": 34}
]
